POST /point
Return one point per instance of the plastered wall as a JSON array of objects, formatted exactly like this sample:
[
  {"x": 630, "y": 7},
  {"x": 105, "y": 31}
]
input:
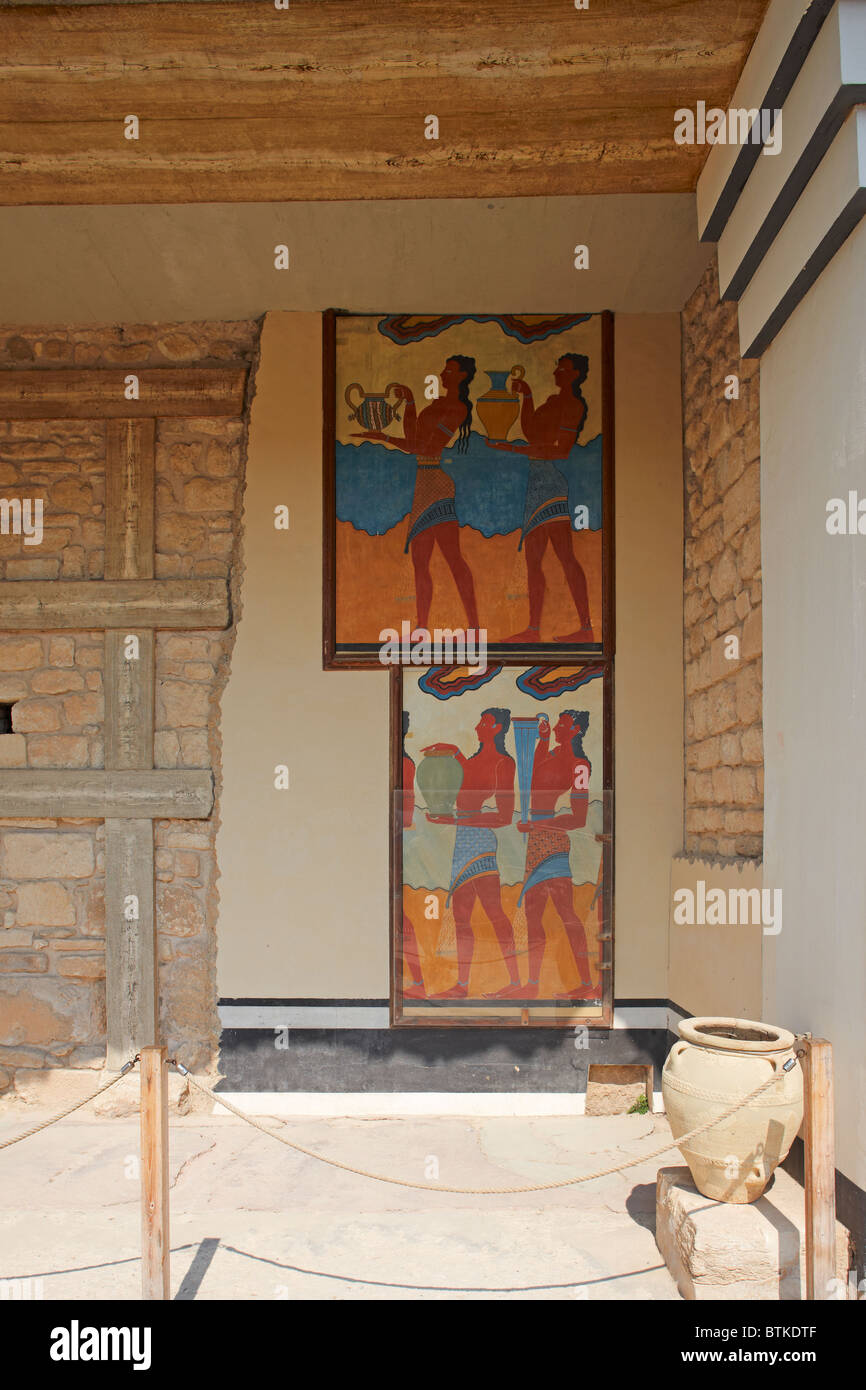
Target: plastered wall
[
  {"x": 304, "y": 872},
  {"x": 813, "y": 448}
]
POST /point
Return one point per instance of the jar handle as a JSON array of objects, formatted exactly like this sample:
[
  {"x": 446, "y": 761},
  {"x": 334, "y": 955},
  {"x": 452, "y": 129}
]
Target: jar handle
[
  {"x": 354, "y": 386},
  {"x": 388, "y": 389}
]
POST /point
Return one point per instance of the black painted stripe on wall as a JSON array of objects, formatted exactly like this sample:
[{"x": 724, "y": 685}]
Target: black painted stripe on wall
[
  {"x": 489, "y": 1060},
  {"x": 818, "y": 261},
  {"x": 825, "y": 133},
  {"x": 782, "y": 81}
]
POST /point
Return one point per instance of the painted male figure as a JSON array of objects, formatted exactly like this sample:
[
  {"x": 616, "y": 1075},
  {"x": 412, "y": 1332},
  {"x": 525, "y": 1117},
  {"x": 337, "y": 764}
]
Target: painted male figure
[
  {"x": 555, "y": 772},
  {"x": 474, "y": 869}
]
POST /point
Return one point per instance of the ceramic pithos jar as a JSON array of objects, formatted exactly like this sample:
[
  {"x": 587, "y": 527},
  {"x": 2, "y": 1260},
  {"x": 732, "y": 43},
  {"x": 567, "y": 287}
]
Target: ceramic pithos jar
[{"x": 718, "y": 1061}]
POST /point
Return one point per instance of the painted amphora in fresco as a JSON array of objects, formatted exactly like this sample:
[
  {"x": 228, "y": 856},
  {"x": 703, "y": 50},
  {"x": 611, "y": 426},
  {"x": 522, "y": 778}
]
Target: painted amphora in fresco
[
  {"x": 373, "y": 411},
  {"x": 499, "y": 407}
]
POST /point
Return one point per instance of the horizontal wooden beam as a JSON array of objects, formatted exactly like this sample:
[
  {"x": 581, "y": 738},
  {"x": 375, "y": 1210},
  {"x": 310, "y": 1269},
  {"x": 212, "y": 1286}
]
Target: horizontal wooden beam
[
  {"x": 87, "y": 394},
  {"x": 329, "y": 100},
  {"x": 33, "y": 605},
  {"x": 181, "y": 794}
]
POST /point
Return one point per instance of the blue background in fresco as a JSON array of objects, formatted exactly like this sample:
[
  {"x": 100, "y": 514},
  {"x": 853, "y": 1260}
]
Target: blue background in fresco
[{"x": 375, "y": 485}]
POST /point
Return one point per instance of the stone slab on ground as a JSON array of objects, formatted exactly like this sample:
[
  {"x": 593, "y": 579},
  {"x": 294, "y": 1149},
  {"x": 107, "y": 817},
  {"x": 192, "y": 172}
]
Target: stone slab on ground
[{"x": 720, "y": 1250}]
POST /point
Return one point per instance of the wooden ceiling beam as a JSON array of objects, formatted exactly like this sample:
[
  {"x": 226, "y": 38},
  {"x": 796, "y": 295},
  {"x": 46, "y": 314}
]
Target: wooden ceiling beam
[{"x": 242, "y": 102}]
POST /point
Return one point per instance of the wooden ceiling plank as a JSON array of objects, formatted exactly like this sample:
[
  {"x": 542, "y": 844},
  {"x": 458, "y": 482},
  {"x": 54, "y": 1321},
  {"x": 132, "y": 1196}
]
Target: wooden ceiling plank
[{"x": 241, "y": 102}]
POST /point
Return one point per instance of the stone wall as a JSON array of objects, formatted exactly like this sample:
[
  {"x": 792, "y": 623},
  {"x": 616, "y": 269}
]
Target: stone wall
[
  {"x": 52, "y": 993},
  {"x": 723, "y": 735}
]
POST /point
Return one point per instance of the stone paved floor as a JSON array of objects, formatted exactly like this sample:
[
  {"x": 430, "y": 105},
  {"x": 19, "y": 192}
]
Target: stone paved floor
[{"x": 252, "y": 1220}]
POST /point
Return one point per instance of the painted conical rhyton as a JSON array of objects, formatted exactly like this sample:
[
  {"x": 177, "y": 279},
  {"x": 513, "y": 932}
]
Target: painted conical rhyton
[
  {"x": 439, "y": 779},
  {"x": 717, "y": 1062}
]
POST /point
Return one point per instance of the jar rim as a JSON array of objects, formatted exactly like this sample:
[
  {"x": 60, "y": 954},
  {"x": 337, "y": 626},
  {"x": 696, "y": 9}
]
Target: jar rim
[{"x": 735, "y": 1034}]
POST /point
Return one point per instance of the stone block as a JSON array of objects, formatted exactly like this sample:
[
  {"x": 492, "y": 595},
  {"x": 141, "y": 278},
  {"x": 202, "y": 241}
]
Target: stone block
[
  {"x": 58, "y": 750},
  {"x": 35, "y": 716},
  {"x": 84, "y": 709},
  {"x": 41, "y": 1009},
  {"x": 56, "y": 682},
  {"x": 708, "y": 754},
  {"x": 198, "y": 671},
  {"x": 723, "y": 576},
  {"x": 749, "y": 694},
  {"x": 753, "y": 745},
  {"x": 22, "y": 962},
  {"x": 194, "y": 748},
  {"x": 177, "y": 532},
  {"x": 72, "y": 495},
  {"x": 44, "y": 904},
  {"x": 178, "y": 647},
  {"x": 613, "y": 1090},
  {"x": 90, "y": 967},
  {"x": 33, "y": 856},
  {"x": 206, "y": 495},
  {"x": 12, "y": 688},
  {"x": 20, "y": 653},
  {"x": 90, "y": 657},
  {"x": 179, "y": 912},
  {"x": 743, "y": 502},
  {"x": 722, "y": 786},
  {"x": 33, "y": 569},
  {"x": 13, "y": 750},
  {"x": 718, "y": 1250},
  {"x": 753, "y": 635},
  {"x": 181, "y": 704},
  {"x": 166, "y": 749},
  {"x": 61, "y": 651}
]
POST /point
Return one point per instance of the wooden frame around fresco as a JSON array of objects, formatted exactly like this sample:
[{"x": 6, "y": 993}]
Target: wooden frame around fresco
[
  {"x": 332, "y": 659},
  {"x": 395, "y": 782}
]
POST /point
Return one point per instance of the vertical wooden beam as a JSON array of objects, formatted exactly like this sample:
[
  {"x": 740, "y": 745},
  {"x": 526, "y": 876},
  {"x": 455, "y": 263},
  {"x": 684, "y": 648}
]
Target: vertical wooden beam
[
  {"x": 129, "y": 700},
  {"x": 820, "y": 1168},
  {"x": 155, "y": 1239},
  {"x": 129, "y": 498},
  {"x": 132, "y": 994}
]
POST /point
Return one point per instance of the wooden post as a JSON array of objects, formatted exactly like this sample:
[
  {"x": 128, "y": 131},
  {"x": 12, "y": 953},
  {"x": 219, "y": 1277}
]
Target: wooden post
[
  {"x": 131, "y": 994},
  {"x": 155, "y": 1241},
  {"x": 820, "y": 1172}
]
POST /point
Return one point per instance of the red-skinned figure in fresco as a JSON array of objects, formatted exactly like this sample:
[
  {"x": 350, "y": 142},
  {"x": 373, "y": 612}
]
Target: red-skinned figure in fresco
[
  {"x": 564, "y": 768},
  {"x": 433, "y": 518},
  {"x": 474, "y": 870},
  {"x": 411, "y": 954},
  {"x": 551, "y": 430}
]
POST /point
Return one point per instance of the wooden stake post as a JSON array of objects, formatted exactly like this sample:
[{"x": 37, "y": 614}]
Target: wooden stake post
[
  {"x": 155, "y": 1239},
  {"x": 820, "y": 1170}
]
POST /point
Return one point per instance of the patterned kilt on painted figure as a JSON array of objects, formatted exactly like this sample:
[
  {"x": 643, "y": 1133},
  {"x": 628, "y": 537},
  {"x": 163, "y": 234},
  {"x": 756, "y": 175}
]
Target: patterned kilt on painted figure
[
  {"x": 474, "y": 854},
  {"x": 547, "y": 855},
  {"x": 433, "y": 501},
  {"x": 546, "y": 497}
]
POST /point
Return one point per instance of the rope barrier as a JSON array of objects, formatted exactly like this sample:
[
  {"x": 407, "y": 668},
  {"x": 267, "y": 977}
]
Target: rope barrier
[
  {"x": 405, "y": 1182},
  {"x": 482, "y": 1191},
  {"x": 7, "y": 1143}
]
